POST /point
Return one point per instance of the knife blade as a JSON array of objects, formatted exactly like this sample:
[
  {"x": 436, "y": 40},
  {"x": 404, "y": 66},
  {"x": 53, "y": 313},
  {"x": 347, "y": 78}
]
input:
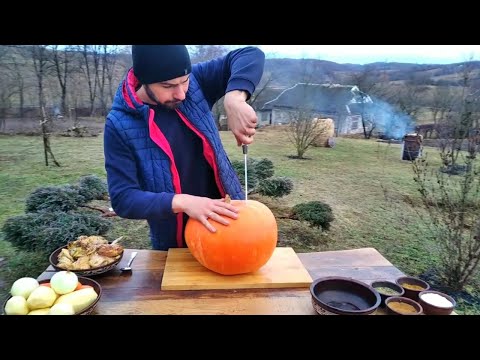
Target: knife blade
[{"x": 245, "y": 159}]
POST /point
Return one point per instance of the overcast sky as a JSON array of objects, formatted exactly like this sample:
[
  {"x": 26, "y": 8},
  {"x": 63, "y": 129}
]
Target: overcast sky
[{"x": 364, "y": 54}]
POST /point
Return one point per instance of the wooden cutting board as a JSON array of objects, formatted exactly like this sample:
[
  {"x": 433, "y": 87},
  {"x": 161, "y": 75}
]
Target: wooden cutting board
[{"x": 184, "y": 272}]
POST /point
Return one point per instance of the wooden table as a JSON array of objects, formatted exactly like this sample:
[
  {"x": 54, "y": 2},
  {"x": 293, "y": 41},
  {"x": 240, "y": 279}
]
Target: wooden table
[{"x": 139, "y": 292}]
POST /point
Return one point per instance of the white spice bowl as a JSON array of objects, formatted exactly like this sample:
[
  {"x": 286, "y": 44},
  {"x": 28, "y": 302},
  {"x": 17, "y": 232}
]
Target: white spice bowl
[{"x": 434, "y": 308}]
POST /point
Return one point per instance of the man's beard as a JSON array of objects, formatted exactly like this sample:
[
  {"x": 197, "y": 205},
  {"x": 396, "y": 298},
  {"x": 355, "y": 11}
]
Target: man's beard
[{"x": 168, "y": 105}]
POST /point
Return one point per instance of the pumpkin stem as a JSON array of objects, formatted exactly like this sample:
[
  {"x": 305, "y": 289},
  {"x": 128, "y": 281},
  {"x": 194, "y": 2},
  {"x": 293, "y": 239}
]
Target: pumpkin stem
[{"x": 227, "y": 199}]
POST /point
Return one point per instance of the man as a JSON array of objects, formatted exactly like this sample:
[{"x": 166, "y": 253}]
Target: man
[{"x": 164, "y": 158}]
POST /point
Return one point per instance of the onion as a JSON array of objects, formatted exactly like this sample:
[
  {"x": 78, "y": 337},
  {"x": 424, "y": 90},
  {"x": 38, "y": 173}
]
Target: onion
[
  {"x": 24, "y": 287},
  {"x": 64, "y": 282}
]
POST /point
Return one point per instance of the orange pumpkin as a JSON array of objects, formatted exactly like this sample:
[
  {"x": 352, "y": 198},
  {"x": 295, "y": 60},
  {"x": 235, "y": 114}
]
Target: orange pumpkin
[{"x": 243, "y": 246}]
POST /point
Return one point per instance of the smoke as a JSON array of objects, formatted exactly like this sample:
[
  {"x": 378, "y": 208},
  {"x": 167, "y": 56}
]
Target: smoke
[{"x": 390, "y": 122}]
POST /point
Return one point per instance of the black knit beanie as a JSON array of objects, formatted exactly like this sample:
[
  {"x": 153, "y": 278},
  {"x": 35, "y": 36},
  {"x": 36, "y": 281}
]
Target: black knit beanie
[{"x": 157, "y": 63}]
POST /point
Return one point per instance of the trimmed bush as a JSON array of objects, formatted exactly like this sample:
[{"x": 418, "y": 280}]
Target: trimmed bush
[
  {"x": 54, "y": 198},
  {"x": 239, "y": 167},
  {"x": 45, "y": 231},
  {"x": 260, "y": 178},
  {"x": 264, "y": 168},
  {"x": 275, "y": 187},
  {"x": 93, "y": 187},
  {"x": 316, "y": 213}
]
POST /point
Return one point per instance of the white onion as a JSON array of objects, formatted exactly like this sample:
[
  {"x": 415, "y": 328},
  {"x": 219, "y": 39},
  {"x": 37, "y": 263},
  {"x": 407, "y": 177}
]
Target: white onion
[
  {"x": 64, "y": 282},
  {"x": 24, "y": 287}
]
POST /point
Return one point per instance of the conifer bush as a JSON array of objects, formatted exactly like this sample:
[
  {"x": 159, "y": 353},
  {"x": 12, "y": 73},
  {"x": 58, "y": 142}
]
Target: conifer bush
[
  {"x": 54, "y": 216},
  {"x": 316, "y": 213},
  {"x": 264, "y": 168},
  {"x": 48, "y": 230},
  {"x": 54, "y": 198},
  {"x": 239, "y": 167},
  {"x": 275, "y": 187},
  {"x": 260, "y": 178},
  {"x": 92, "y": 187}
]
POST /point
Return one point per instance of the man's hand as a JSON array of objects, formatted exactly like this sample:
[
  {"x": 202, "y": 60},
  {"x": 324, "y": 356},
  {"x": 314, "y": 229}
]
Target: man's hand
[
  {"x": 242, "y": 119},
  {"x": 203, "y": 208}
]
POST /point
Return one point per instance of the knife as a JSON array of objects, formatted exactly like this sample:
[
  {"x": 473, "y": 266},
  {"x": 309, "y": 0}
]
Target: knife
[{"x": 245, "y": 152}]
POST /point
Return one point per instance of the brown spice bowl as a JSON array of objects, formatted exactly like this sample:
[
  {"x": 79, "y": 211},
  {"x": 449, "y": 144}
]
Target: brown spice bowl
[
  {"x": 407, "y": 282},
  {"x": 386, "y": 289},
  {"x": 432, "y": 309},
  {"x": 393, "y": 304},
  {"x": 84, "y": 281},
  {"x": 334, "y": 295}
]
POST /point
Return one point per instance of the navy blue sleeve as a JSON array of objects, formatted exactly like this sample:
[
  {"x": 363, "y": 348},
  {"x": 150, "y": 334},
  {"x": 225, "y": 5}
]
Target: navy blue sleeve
[
  {"x": 128, "y": 199},
  {"x": 240, "y": 69}
]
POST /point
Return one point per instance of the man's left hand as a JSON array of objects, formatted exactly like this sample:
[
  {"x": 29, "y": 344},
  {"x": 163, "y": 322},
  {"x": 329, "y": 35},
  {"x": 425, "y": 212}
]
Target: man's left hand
[{"x": 241, "y": 118}]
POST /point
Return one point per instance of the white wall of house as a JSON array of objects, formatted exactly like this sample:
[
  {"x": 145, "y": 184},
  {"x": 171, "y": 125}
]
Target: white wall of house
[
  {"x": 353, "y": 124},
  {"x": 263, "y": 117},
  {"x": 283, "y": 116},
  {"x": 280, "y": 116}
]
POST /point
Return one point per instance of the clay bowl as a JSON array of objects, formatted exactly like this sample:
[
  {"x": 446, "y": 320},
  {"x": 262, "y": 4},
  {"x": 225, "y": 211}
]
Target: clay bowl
[
  {"x": 53, "y": 259},
  {"x": 334, "y": 295},
  {"x": 84, "y": 281},
  {"x": 430, "y": 308},
  {"x": 412, "y": 286},
  {"x": 386, "y": 289},
  {"x": 397, "y": 305}
]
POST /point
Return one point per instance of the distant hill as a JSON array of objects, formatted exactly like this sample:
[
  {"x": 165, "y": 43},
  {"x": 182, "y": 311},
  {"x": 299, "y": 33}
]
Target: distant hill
[
  {"x": 287, "y": 72},
  {"x": 284, "y": 73}
]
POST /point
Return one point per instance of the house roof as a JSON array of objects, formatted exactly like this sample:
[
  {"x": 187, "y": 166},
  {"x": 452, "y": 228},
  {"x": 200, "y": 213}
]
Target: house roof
[{"x": 315, "y": 97}]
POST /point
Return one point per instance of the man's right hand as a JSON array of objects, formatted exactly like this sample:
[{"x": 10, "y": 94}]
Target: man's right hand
[
  {"x": 203, "y": 208},
  {"x": 241, "y": 118}
]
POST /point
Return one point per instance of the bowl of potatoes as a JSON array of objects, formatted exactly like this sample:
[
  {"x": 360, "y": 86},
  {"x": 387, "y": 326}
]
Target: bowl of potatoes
[{"x": 64, "y": 293}]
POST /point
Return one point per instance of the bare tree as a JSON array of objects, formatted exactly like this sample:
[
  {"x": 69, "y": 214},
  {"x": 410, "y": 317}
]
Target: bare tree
[
  {"x": 90, "y": 67},
  {"x": 405, "y": 97},
  {"x": 63, "y": 62},
  {"x": 112, "y": 67},
  {"x": 303, "y": 130},
  {"x": 15, "y": 63},
  {"x": 366, "y": 81},
  {"x": 451, "y": 193},
  {"x": 40, "y": 58},
  {"x": 5, "y": 90},
  {"x": 101, "y": 77},
  {"x": 461, "y": 119},
  {"x": 442, "y": 103},
  {"x": 74, "y": 100}
]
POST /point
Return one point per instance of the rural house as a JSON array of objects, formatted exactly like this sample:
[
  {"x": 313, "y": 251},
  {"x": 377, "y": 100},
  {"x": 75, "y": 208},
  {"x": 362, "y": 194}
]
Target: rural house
[{"x": 342, "y": 103}]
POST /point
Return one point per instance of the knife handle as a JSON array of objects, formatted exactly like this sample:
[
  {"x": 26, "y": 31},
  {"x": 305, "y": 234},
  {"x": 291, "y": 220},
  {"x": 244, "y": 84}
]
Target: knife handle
[{"x": 245, "y": 149}]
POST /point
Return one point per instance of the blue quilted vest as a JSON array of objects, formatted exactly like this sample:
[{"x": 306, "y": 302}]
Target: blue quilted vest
[{"x": 131, "y": 119}]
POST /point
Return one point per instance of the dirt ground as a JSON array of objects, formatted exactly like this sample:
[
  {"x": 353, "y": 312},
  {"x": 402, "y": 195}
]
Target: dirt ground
[{"x": 31, "y": 126}]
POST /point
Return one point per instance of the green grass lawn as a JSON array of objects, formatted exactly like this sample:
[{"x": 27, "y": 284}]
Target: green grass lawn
[{"x": 366, "y": 183}]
